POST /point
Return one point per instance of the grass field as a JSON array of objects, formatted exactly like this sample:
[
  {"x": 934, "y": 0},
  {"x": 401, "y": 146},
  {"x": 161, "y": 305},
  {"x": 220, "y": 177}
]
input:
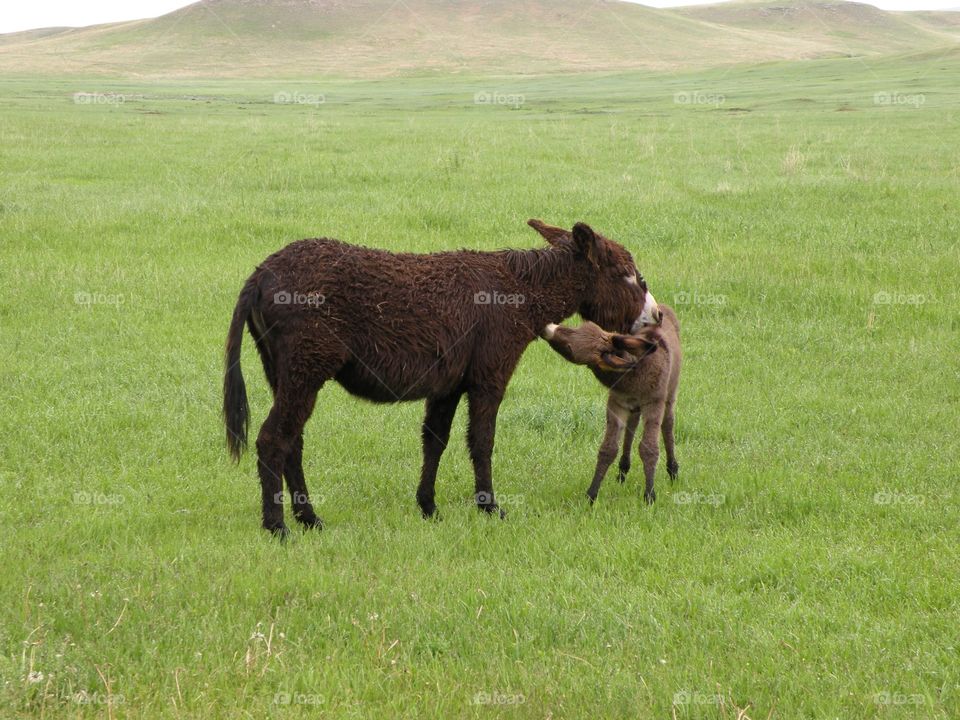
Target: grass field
[{"x": 802, "y": 220}]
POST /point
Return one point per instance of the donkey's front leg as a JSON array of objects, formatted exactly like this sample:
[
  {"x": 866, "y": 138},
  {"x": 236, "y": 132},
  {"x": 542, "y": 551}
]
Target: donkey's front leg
[
  {"x": 484, "y": 404},
  {"x": 616, "y": 420},
  {"x": 436, "y": 433}
]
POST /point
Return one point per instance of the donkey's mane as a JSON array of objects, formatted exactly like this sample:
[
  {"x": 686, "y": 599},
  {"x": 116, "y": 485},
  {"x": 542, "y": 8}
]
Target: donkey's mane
[{"x": 534, "y": 265}]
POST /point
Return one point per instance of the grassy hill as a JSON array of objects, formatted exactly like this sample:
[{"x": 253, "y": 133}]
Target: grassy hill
[
  {"x": 310, "y": 38},
  {"x": 856, "y": 28}
]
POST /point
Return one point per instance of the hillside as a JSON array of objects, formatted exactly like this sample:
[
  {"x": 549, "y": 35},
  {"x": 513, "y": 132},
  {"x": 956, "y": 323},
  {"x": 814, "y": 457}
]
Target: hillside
[
  {"x": 853, "y": 27},
  {"x": 311, "y": 38}
]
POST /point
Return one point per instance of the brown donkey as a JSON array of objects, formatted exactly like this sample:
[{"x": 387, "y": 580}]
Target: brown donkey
[
  {"x": 642, "y": 371},
  {"x": 392, "y": 327}
]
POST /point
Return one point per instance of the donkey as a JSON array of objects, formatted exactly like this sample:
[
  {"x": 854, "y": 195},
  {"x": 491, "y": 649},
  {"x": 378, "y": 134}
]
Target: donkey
[
  {"x": 642, "y": 371},
  {"x": 392, "y": 327}
]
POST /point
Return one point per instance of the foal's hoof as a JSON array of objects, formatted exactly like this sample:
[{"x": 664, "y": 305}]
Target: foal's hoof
[
  {"x": 672, "y": 469},
  {"x": 650, "y": 496},
  {"x": 310, "y": 521},
  {"x": 622, "y": 475},
  {"x": 593, "y": 496}
]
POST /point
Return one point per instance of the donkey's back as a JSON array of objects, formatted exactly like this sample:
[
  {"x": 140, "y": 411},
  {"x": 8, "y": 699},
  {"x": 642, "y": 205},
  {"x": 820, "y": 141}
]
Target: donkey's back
[{"x": 388, "y": 326}]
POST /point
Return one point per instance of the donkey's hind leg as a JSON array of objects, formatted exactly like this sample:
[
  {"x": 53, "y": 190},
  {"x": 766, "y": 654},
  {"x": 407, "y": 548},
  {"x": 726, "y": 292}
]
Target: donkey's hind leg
[
  {"x": 297, "y": 486},
  {"x": 276, "y": 442}
]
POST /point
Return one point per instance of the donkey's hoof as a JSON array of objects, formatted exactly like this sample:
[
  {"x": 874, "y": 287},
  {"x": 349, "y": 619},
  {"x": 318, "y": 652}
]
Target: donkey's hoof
[
  {"x": 281, "y": 531},
  {"x": 592, "y": 497},
  {"x": 650, "y": 496},
  {"x": 493, "y": 509},
  {"x": 429, "y": 511},
  {"x": 622, "y": 475},
  {"x": 673, "y": 469},
  {"x": 310, "y": 521},
  {"x": 433, "y": 516}
]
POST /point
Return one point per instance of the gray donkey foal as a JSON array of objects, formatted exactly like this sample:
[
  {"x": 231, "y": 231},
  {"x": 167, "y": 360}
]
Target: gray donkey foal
[{"x": 642, "y": 371}]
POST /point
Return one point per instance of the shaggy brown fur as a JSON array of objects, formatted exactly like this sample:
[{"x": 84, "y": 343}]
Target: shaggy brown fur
[
  {"x": 394, "y": 327},
  {"x": 644, "y": 388}
]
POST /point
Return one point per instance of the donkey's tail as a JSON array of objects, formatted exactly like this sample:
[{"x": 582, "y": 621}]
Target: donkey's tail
[{"x": 236, "y": 412}]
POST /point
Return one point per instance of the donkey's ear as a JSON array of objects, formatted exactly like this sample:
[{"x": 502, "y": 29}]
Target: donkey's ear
[
  {"x": 550, "y": 233},
  {"x": 587, "y": 242},
  {"x": 637, "y": 345}
]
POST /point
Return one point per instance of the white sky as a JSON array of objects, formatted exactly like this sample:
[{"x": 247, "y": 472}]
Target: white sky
[{"x": 26, "y": 14}]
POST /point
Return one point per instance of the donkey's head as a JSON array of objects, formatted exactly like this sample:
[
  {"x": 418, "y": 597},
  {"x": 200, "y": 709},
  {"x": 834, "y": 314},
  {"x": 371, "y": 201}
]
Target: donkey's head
[{"x": 616, "y": 296}]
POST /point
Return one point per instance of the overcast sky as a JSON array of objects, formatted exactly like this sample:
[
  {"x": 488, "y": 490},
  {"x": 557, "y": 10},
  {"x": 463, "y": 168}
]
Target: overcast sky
[{"x": 26, "y": 14}]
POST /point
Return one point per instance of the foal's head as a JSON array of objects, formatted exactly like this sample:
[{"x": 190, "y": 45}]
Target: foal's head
[
  {"x": 616, "y": 295},
  {"x": 591, "y": 345}
]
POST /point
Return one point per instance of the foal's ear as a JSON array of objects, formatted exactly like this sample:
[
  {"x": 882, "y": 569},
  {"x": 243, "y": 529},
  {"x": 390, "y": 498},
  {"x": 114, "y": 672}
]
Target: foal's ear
[
  {"x": 618, "y": 361},
  {"x": 638, "y": 345},
  {"x": 587, "y": 242},
  {"x": 552, "y": 234}
]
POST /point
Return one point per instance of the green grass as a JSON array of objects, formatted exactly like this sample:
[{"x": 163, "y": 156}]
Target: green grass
[{"x": 770, "y": 577}]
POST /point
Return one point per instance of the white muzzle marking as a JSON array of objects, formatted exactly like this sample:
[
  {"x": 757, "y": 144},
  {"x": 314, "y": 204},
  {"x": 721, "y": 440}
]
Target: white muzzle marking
[{"x": 650, "y": 315}]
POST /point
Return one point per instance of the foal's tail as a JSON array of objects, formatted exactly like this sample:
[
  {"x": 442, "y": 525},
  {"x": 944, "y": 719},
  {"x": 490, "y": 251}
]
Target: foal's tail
[{"x": 236, "y": 412}]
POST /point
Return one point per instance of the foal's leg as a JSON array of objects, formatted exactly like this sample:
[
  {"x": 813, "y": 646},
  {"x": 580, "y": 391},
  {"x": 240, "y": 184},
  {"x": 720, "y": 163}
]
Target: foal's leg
[
  {"x": 484, "y": 404},
  {"x": 668, "y": 417},
  {"x": 436, "y": 433},
  {"x": 650, "y": 447},
  {"x": 632, "y": 423},
  {"x": 616, "y": 420}
]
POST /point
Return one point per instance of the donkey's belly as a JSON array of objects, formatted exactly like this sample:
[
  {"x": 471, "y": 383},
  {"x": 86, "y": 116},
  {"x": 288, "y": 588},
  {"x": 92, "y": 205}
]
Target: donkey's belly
[{"x": 390, "y": 385}]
